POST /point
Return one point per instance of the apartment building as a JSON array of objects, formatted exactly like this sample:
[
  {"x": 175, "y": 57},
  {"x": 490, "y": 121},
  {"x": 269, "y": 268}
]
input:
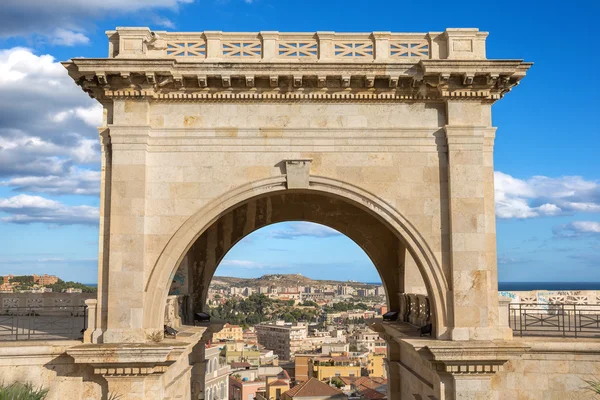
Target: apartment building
[
  {"x": 216, "y": 385},
  {"x": 285, "y": 339},
  {"x": 229, "y": 332}
]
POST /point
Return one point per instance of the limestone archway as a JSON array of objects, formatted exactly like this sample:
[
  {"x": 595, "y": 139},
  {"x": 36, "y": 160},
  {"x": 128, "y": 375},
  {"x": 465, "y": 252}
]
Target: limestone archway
[{"x": 383, "y": 233}]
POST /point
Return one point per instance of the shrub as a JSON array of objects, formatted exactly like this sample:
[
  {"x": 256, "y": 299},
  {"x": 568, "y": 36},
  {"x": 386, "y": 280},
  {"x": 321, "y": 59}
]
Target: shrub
[{"x": 22, "y": 391}]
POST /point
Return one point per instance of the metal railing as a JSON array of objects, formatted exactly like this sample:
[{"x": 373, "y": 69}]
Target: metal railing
[
  {"x": 543, "y": 319},
  {"x": 42, "y": 323}
]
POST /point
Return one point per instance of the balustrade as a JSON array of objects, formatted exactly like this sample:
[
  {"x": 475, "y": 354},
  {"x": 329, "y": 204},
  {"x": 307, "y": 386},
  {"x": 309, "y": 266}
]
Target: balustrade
[{"x": 297, "y": 47}]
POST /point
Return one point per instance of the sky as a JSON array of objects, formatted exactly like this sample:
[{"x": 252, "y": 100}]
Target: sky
[{"x": 546, "y": 155}]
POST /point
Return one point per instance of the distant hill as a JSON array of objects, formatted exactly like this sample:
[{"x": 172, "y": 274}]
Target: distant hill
[{"x": 281, "y": 280}]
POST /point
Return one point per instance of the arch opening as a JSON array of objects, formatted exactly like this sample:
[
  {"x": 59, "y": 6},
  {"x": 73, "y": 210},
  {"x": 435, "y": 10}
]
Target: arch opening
[{"x": 382, "y": 233}]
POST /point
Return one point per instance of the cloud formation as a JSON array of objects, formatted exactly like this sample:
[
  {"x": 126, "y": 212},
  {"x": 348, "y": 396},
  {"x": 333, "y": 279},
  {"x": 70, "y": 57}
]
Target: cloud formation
[
  {"x": 578, "y": 229},
  {"x": 543, "y": 196},
  {"x": 64, "y": 22},
  {"x": 296, "y": 230},
  {"x": 26, "y": 209},
  {"x": 48, "y": 140}
]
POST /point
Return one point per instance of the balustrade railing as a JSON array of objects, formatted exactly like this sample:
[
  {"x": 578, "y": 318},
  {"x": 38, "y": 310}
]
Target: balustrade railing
[
  {"x": 42, "y": 323},
  {"x": 543, "y": 319},
  {"x": 297, "y": 47}
]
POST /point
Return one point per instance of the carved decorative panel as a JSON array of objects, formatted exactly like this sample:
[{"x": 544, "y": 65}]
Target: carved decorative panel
[
  {"x": 10, "y": 302},
  {"x": 409, "y": 49},
  {"x": 528, "y": 300},
  {"x": 35, "y": 303},
  {"x": 557, "y": 300},
  {"x": 186, "y": 49},
  {"x": 353, "y": 49},
  {"x": 63, "y": 302},
  {"x": 305, "y": 49},
  {"x": 578, "y": 299},
  {"x": 248, "y": 49}
]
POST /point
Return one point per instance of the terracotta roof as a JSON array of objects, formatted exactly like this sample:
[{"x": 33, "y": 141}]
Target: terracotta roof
[
  {"x": 371, "y": 394},
  {"x": 279, "y": 382},
  {"x": 369, "y": 382},
  {"x": 240, "y": 365},
  {"x": 313, "y": 388},
  {"x": 348, "y": 380},
  {"x": 283, "y": 374}
]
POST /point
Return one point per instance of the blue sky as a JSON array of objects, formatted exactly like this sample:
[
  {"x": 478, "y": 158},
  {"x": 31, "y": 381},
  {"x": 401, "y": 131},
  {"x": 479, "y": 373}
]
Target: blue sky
[{"x": 547, "y": 146}]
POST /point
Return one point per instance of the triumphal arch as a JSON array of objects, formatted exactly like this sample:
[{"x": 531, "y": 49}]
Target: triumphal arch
[{"x": 385, "y": 137}]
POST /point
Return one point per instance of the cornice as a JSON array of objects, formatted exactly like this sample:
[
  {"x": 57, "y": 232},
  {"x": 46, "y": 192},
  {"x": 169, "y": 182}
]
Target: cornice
[{"x": 171, "y": 80}]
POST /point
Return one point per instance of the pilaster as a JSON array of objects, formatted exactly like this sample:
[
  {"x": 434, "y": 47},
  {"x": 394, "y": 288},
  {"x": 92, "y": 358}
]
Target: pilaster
[
  {"x": 128, "y": 223},
  {"x": 472, "y": 223}
]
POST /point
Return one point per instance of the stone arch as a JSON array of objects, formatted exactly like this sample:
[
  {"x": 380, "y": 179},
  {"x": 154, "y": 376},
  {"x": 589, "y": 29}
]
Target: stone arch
[{"x": 162, "y": 273}]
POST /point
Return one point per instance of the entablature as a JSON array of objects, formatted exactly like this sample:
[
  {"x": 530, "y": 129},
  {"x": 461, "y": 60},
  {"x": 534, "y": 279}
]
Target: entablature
[{"x": 450, "y": 64}]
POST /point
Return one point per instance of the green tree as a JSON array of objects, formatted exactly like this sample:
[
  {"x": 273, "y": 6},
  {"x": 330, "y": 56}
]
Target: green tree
[{"x": 337, "y": 382}]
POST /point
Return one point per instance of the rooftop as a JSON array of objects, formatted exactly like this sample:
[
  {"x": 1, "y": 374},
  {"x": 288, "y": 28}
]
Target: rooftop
[{"x": 313, "y": 388}]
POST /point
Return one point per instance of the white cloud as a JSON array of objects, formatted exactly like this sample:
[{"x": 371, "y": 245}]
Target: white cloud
[
  {"x": 577, "y": 229},
  {"x": 91, "y": 115},
  {"x": 26, "y": 209},
  {"x": 65, "y": 21},
  {"x": 163, "y": 22},
  {"x": 543, "y": 196},
  {"x": 47, "y": 126},
  {"x": 295, "y": 230},
  {"x": 66, "y": 37},
  {"x": 77, "y": 181}
]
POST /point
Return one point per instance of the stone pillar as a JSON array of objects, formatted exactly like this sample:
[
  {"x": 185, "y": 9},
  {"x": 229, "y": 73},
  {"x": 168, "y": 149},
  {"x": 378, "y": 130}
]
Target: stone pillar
[
  {"x": 472, "y": 221},
  {"x": 269, "y": 45},
  {"x": 101, "y": 308},
  {"x": 91, "y": 320},
  {"x": 382, "y": 45},
  {"x": 213, "y": 44},
  {"x": 326, "y": 45},
  {"x": 503, "y": 317},
  {"x": 126, "y": 247}
]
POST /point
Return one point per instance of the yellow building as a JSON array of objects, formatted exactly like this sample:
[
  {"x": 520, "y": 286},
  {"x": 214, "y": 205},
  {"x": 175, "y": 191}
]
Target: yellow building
[
  {"x": 327, "y": 367},
  {"x": 276, "y": 386},
  {"x": 241, "y": 352},
  {"x": 229, "y": 332},
  {"x": 376, "y": 365}
]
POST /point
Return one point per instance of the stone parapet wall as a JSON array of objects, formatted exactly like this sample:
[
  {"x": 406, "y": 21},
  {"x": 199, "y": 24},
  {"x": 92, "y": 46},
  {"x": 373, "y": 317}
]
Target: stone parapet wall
[
  {"x": 301, "y": 47},
  {"x": 33, "y": 300}
]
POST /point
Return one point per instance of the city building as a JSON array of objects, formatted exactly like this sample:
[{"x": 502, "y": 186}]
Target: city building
[
  {"x": 240, "y": 352},
  {"x": 302, "y": 370},
  {"x": 244, "y": 388},
  {"x": 366, "y": 340},
  {"x": 276, "y": 386},
  {"x": 45, "y": 279},
  {"x": 376, "y": 365},
  {"x": 326, "y": 367},
  {"x": 229, "y": 332},
  {"x": 337, "y": 347},
  {"x": 283, "y": 338},
  {"x": 216, "y": 385},
  {"x": 313, "y": 389}
]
